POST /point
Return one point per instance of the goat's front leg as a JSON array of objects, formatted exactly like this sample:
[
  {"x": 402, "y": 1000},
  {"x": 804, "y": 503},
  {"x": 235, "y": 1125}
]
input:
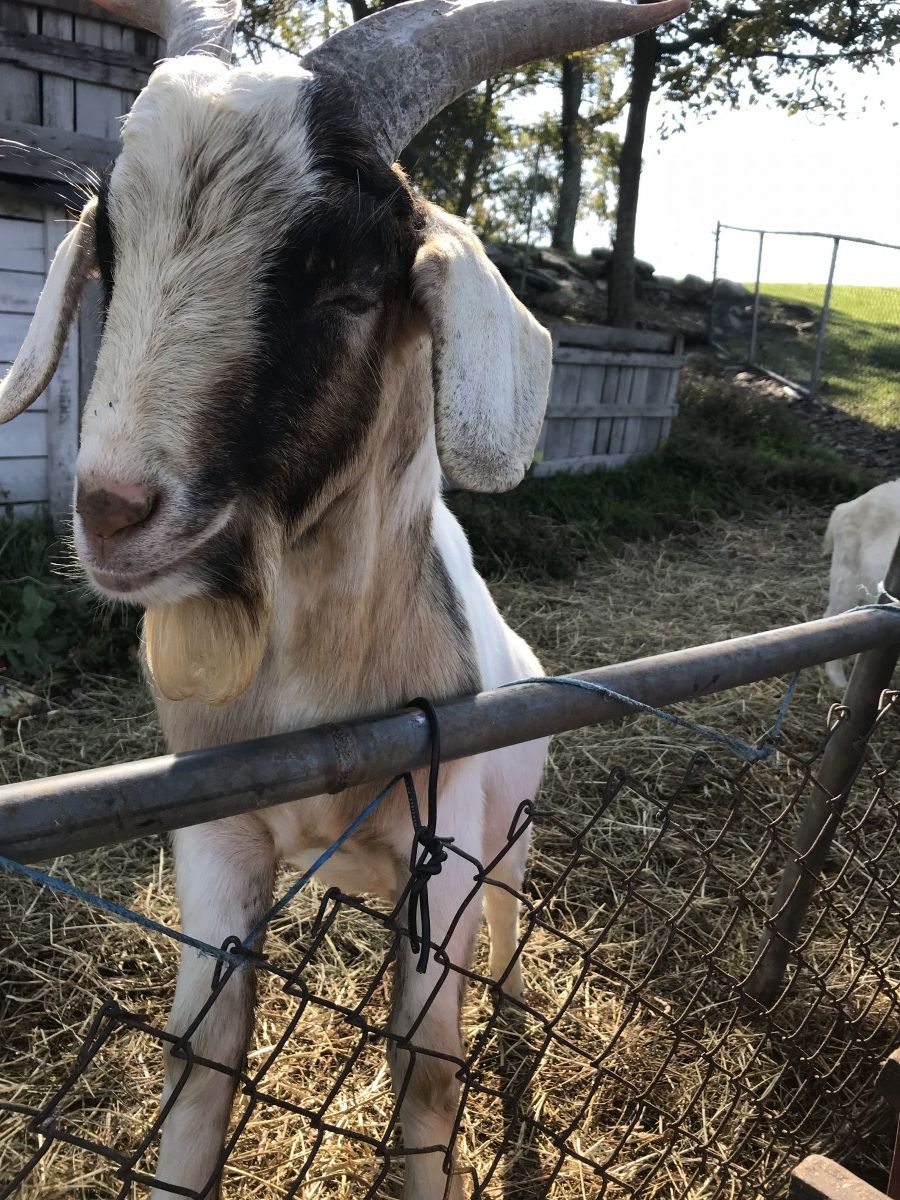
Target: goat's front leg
[
  {"x": 224, "y": 873},
  {"x": 427, "y": 1085}
]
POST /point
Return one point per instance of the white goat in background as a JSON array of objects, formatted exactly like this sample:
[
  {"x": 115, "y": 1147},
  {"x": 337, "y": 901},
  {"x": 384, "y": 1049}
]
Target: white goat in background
[
  {"x": 295, "y": 346},
  {"x": 860, "y": 538}
]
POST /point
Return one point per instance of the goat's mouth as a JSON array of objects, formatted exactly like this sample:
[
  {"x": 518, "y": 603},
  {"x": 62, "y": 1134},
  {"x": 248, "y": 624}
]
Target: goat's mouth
[
  {"x": 122, "y": 585},
  {"x": 167, "y": 584},
  {"x": 161, "y": 568}
]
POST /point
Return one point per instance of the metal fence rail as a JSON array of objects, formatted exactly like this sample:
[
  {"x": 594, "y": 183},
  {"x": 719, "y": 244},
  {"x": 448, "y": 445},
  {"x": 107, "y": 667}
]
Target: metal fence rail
[
  {"x": 646, "y": 1057},
  {"x": 796, "y": 338},
  {"x": 46, "y": 817}
]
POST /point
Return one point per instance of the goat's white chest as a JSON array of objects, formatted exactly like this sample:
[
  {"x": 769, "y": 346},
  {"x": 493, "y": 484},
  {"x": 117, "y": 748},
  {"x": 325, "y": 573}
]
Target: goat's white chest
[{"x": 297, "y": 836}]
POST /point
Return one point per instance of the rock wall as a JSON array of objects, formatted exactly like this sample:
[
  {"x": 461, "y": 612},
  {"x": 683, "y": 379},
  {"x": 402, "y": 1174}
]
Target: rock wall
[{"x": 558, "y": 286}]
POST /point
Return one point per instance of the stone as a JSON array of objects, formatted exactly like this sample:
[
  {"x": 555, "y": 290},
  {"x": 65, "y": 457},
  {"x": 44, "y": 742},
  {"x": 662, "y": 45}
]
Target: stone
[
  {"x": 554, "y": 261},
  {"x": 594, "y": 268},
  {"x": 541, "y": 281},
  {"x": 734, "y": 321},
  {"x": 727, "y": 289},
  {"x": 693, "y": 285},
  {"x": 800, "y": 312},
  {"x": 643, "y": 270}
]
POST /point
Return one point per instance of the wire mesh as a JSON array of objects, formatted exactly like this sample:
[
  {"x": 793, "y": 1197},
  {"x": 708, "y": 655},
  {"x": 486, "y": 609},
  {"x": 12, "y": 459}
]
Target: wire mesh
[
  {"x": 860, "y": 352},
  {"x": 634, "y": 1064}
]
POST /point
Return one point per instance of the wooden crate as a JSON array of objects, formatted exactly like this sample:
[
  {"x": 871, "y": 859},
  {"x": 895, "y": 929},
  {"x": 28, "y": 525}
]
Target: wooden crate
[
  {"x": 66, "y": 77},
  {"x": 613, "y": 395},
  {"x": 819, "y": 1178}
]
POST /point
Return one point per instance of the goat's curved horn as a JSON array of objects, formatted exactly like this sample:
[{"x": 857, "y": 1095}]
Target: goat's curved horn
[
  {"x": 408, "y": 62},
  {"x": 188, "y": 26}
]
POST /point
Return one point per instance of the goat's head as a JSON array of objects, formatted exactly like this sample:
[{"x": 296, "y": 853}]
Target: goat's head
[{"x": 262, "y": 259}]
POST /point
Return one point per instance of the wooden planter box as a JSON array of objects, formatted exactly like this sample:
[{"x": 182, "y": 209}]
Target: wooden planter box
[{"x": 613, "y": 395}]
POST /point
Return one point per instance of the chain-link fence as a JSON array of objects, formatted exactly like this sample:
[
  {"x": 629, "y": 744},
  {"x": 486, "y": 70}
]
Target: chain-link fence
[
  {"x": 650, "y": 1053},
  {"x": 835, "y": 329}
]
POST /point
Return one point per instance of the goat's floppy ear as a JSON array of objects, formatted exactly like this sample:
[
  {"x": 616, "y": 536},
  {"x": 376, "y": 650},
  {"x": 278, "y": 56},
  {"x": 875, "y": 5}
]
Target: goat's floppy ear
[
  {"x": 35, "y": 363},
  {"x": 491, "y": 360}
]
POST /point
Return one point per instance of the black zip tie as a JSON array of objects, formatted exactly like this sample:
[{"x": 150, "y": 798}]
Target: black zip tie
[{"x": 433, "y": 854}]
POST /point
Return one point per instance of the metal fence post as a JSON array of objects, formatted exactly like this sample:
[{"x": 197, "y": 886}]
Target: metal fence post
[
  {"x": 837, "y": 773},
  {"x": 710, "y": 324},
  {"x": 751, "y": 357},
  {"x": 823, "y": 323}
]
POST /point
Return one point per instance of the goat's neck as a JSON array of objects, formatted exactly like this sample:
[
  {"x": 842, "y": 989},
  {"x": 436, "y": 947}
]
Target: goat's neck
[{"x": 365, "y": 614}]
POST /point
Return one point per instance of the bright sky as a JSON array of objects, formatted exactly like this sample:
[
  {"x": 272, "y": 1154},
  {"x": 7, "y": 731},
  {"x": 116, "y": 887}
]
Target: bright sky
[{"x": 760, "y": 167}]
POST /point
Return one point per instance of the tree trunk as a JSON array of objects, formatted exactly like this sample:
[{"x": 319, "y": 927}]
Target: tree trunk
[
  {"x": 644, "y": 60},
  {"x": 477, "y": 152},
  {"x": 572, "y": 86}
]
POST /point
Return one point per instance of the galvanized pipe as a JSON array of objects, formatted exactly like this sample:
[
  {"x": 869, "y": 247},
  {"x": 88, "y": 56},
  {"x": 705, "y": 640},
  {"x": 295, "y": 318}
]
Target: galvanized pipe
[
  {"x": 711, "y": 320},
  {"x": 47, "y": 817},
  {"x": 823, "y": 323},
  {"x": 810, "y": 233},
  {"x": 754, "y": 324}
]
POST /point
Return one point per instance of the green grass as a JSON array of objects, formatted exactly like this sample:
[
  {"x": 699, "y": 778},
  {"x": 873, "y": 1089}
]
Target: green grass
[
  {"x": 727, "y": 456},
  {"x": 862, "y": 350}
]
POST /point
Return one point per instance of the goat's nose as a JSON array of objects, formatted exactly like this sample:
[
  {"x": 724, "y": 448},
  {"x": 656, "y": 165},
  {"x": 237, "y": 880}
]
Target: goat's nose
[{"x": 106, "y": 507}]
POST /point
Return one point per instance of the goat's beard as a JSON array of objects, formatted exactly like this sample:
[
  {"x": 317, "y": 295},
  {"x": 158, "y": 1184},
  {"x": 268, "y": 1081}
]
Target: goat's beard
[{"x": 205, "y": 649}]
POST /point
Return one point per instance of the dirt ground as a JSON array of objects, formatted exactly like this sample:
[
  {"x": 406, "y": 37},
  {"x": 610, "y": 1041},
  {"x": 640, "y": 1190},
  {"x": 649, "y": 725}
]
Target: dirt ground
[{"x": 701, "y": 1106}]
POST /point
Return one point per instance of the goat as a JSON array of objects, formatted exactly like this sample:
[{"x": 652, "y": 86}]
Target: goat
[
  {"x": 295, "y": 346},
  {"x": 861, "y": 537}
]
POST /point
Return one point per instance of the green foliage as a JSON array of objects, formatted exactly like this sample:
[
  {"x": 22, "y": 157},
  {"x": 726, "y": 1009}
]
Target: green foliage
[
  {"x": 722, "y": 51},
  {"x": 726, "y": 456},
  {"x": 51, "y": 629},
  {"x": 861, "y": 364}
]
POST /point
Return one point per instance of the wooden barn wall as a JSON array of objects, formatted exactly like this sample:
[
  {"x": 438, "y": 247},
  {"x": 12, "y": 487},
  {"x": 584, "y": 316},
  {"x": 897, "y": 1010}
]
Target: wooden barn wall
[
  {"x": 67, "y": 76},
  {"x": 37, "y": 448}
]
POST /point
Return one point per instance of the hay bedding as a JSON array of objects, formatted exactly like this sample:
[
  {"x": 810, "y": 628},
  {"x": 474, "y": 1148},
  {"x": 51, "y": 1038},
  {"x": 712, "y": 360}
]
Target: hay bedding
[{"x": 698, "y": 1085}]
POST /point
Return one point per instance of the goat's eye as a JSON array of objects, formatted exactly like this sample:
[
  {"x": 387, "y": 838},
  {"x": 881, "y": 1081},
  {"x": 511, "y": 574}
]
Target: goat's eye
[{"x": 352, "y": 302}]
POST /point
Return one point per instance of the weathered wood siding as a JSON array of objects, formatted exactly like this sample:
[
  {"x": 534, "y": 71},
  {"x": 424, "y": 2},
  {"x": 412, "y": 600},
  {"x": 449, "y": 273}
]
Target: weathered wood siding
[
  {"x": 37, "y": 448},
  {"x": 67, "y": 76},
  {"x": 613, "y": 395},
  {"x": 66, "y": 79}
]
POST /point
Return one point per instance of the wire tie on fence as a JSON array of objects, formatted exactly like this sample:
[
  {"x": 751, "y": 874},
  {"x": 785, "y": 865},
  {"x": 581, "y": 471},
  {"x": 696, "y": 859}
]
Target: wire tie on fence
[
  {"x": 885, "y": 597},
  {"x": 433, "y": 855},
  {"x": 234, "y": 946},
  {"x": 740, "y": 748}
]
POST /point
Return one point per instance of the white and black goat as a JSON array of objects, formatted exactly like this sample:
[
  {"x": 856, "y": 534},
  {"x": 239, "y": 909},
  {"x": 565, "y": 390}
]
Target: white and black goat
[{"x": 294, "y": 347}]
